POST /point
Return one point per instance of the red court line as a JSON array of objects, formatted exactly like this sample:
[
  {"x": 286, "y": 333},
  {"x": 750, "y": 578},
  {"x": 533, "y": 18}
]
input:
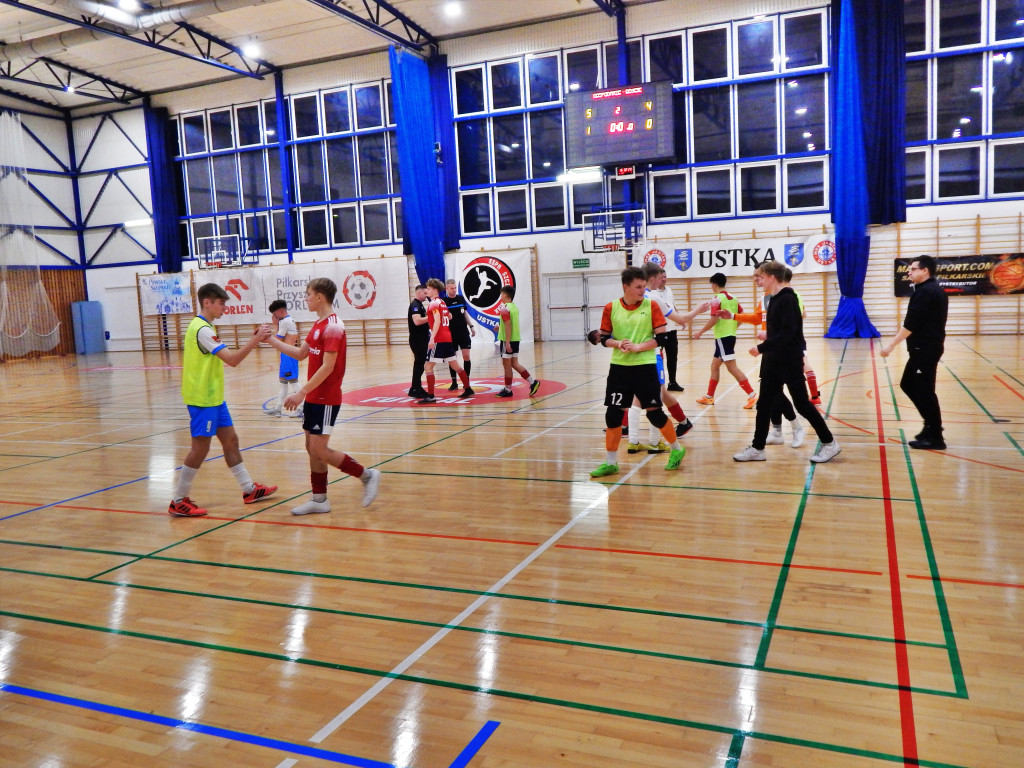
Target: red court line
[
  {"x": 906, "y": 699},
  {"x": 1014, "y": 391},
  {"x": 708, "y": 558},
  {"x": 975, "y": 582}
]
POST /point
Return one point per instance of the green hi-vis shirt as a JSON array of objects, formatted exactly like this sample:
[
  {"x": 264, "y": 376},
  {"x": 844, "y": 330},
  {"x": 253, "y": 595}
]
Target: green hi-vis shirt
[
  {"x": 202, "y": 375},
  {"x": 637, "y": 325},
  {"x": 508, "y": 313},
  {"x": 727, "y": 327}
]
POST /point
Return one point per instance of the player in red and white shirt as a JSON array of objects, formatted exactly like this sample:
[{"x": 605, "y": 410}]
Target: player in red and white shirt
[
  {"x": 440, "y": 347},
  {"x": 325, "y": 347}
]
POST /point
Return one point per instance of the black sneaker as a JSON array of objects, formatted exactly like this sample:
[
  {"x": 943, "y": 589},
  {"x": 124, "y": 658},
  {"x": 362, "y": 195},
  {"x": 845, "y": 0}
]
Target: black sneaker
[
  {"x": 427, "y": 400},
  {"x": 416, "y": 392},
  {"x": 683, "y": 427},
  {"x": 467, "y": 392},
  {"x": 453, "y": 386},
  {"x": 674, "y": 387},
  {"x": 534, "y": 387},
  {"x": 504, "y": 393}
]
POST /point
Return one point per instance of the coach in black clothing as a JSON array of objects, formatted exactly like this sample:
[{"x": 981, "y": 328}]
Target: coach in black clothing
[
  {"x": 924, "y": 329},
  {"x": 419, "y": 337}
]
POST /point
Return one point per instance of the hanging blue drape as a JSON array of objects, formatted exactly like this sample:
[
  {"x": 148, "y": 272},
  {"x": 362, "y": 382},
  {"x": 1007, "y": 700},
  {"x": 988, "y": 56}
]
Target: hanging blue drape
[
  {"x": 414, "y": 115},
  {"x": 867, "y": 158},
  {"x": 166, "y": 230},
  {"x": 444, "y": 136}
]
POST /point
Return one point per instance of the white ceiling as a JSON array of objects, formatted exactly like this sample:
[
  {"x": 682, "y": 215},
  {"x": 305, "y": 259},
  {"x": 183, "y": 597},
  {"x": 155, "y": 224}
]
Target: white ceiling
[{"x": 289, "y": 33}]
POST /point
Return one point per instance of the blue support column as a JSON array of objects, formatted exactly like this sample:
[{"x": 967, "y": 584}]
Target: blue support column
[
  {"x": 282, "y": 159},
  {"x": 76, "y": 195}
]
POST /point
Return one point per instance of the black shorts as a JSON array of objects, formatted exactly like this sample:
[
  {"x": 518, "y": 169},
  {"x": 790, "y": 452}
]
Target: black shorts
[
  {"x": 628, "y": 381},
  {"x": 442, "y": 352},
  {"x": 318, "y": 419},
  {"x": 461, "y": 338}
]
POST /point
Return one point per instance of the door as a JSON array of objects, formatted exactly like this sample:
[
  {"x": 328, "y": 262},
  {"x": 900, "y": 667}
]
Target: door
[{"x": 575, "y": 302}]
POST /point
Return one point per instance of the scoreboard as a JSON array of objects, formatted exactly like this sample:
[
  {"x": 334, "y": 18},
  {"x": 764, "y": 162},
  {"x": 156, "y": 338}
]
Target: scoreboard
[{"x": 627, "y": 124}]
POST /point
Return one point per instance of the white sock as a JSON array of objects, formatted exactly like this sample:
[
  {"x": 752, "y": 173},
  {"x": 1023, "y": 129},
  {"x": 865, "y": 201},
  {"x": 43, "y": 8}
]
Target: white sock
[
  {"x": 319, "y": 498},
  {"x": 242, "y": 476},
  {"x": 633, "y": 420},
  {"x": 612, "y": 458},
  {"x": 293, "y": 387},
  {"x": 282, "y": 395},
  {"x": 675, "y": 446},
  {"x": 185, "y": 478}
]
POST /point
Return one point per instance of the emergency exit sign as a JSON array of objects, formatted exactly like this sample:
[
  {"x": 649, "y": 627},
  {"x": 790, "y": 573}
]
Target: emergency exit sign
[{"x": 580, "y": 263}]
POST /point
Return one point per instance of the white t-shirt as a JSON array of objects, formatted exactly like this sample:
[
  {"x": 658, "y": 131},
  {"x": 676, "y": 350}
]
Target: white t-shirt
[
  {"x": 208, "y": 340},
  {"x": 286, "y": 326},
  {"x": 664, "y": 299}
]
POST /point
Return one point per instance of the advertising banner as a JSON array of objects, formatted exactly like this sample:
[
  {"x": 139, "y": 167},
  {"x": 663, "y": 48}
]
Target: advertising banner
[
  {"x": 991, "y": 274},
  {"x": 481, "y": 277},
  {"x": 165, "y": 294},
  {"x": 740, "y": 257}
]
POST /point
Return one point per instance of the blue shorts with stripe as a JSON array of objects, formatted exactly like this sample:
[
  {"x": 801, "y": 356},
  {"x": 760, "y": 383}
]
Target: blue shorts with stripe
[{"x": 205, "y": 421}]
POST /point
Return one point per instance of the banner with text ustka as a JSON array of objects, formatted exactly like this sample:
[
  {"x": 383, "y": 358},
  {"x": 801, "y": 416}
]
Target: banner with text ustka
[
  {"x": 740, "y": 257},
  {"x": 986, "y": 275}
]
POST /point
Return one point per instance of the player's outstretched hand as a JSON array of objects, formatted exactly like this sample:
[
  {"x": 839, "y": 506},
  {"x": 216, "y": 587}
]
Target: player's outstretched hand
[
  {"x": 725, "y": 314},
  {"x": 703, "y": 307},
  {"x": 293, "y": 401},
  {"x": 263, "y": 333}
]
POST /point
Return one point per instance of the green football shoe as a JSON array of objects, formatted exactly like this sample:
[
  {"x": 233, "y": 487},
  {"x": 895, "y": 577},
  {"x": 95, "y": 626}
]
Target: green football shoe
[
  {"x": 607, "y": 469},
  {"x": 675, "y": 458}
]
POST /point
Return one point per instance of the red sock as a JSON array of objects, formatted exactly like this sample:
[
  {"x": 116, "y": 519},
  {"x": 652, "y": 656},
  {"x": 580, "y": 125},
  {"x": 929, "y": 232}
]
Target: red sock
[
  {"x": 525, "y": 375},
  {"x": 745, "y": 386},
  {"x": 712, "y": 386},
  {"x": 351, "y": 467},
  {"x": 625, "y": 418},
  {"x": 677, "y": 412},
  {"x": 812, "y": 383},
  {"x": 318, "y": 482},
  {"x": 464, "y": 378},
  {"x": 508, "y": 382},
  {"x": 430, "y": 384}
]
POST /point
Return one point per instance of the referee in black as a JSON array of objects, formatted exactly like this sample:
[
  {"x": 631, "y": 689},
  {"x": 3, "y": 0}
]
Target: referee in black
[
  {"x": 461, "y": 327},
  {"x": 419, "y": 338},
  {"x": 924, "y": 329}
]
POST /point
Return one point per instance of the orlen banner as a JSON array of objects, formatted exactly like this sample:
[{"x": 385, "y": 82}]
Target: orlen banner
[
  {"x": 481, "y": 276},
  {"x": 368, "y": 289},
  {"x": 740, "y": 257}
]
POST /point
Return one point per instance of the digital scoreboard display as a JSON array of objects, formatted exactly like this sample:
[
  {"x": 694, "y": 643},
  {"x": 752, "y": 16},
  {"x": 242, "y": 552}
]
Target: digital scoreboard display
[{"x": 616, "y": 126}]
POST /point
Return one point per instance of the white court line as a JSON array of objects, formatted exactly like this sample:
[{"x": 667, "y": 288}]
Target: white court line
[
  {"x": 549, "y": 429},
  {"x": 416, "y": 655}
]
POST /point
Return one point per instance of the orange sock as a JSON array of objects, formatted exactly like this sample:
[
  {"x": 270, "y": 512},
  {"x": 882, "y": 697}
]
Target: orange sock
[{"x": 668, "y": 432}]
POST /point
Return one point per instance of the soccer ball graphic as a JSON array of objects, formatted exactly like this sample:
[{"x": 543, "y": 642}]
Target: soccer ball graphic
[{"x": 360, "y": 289}]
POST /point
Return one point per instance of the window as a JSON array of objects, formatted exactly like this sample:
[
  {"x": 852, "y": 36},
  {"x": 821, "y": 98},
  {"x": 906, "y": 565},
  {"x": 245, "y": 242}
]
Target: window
[
  {"x": 959, "y": 171},
  {"x": 397, "y": 223},
  {"x": 368, "y": 107},
  {"x": 804, "y": 113},
  {"x": 669, "y": 192},
  {"x": 665, "y": 58},
  {"x": 958, "y": 96},
  {"x": 396, "y": 180},
  {"x": 253, "y": 178},
  {"x": 1007, "y": 168},
  {"x": 221, "y": 135},
  {"x": 959, "y": 22},
  {"x": 709, "y": 54},
  {"x": 755, "y": 47},
  {"x": 248, "y": 119},
  {"x": 200, "y": 187},
  {"x": 506, "y": 85},
  {"x": 757, "y": 130},
  {"x": 469, "y": 91},
  {"x": 306, "y": 114},
  {"x": 373, "y": 170},
  {"x": 512, "y": 210},
  {"x": 917, "y": 175},
  {"x": 805, "y": 184},
  {"x": 341, "y": 169},
  {"x": 712, "y": 124},
  {"x": 544, "y": 79},
  {"x": 803, "y": 41},
  {"x": 548, "y": 206},
  {"x": 759, "y": 188},
  {"x": 476, "y": 212},
  {"x": 376, "y": 223},
  {"x": 336, "y": 117},
  {"x": 257, "y": 231},
  {"x": 389, "y": 100},
  {"x": 634, "y": 63},
  {"x": 713, "y": 192},
  {"x": 914, "y": 26},
  {"x": 270, "y": 122},
  {"x": 582, "y": 70},
  {"x": 193, "y": 129},
  {"x": 229, "y": 225},
  {"x": 1007, "y": 20},
  {"x": 345, "y": 224},
  {"x": 309, "y": 172},
  {"x": 280, "y": 230},
  {"x": 509, "y": 148},
  {"x": 917, "y": 101},
  {"x": 585, "y": 197},
  {"x": 474, "y": 155},
  {"x": 547, "y": 158},
  {"x": 200, "y": 229},
  {"x": 274, "y": 179},
  {"x": 1008, "y": 90},
  {"x": 225, "y": 178},
  {"x": 314, "y": 227}
]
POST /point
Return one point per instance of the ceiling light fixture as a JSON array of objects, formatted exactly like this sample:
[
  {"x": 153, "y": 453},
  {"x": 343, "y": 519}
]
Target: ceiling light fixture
[
  {"x": 250, "y": 50},
  {"x": 453, "y": 10},
  {"x": 129, "y": 5}
]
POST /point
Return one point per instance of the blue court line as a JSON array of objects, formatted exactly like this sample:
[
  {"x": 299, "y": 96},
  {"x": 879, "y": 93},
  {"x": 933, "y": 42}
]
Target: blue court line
[
  {"x": 206, "y": 730},
  {"x": 474, "y": 746}
]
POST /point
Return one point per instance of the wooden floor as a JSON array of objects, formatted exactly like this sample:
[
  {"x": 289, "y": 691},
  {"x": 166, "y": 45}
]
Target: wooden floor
[{"x": 495, "y": 606}]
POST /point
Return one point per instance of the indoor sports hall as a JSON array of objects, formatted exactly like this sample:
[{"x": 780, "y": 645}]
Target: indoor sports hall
[{"x": 495, "y": 604}]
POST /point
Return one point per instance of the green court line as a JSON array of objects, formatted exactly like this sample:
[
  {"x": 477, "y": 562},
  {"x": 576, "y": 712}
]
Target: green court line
[
  {"x": 497, "y": 633},
  {"x": 473, "y": 592},
  {"x": 933, "y": 569},
  {"x": 968, "y": 391},
  {"x": 892, "y": 393},
  {"x": 27, "y": 456},
  {"x": 735, "y": 750},
  {"x": 1014, "y": 443},
  {"x": 994, "y": 365},
  {"x": 498, "y": 692}
]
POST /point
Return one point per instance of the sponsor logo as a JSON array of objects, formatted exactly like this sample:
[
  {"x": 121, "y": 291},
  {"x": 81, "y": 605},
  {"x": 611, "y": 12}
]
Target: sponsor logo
[
  {"x": 656, "y": 257},
  {"x": 683, "y": 258},
  {"x": 482, "y": 281},
  {"x": 824, "y": 252},
  {"x": 235, "y": 286},
  {"x": 360, "y": 289},
  {"x": 794, "y": 254}
]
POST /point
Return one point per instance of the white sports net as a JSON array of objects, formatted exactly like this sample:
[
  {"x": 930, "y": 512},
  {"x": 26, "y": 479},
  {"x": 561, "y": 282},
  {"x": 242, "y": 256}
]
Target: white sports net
[{"x": 28, "y": 322}]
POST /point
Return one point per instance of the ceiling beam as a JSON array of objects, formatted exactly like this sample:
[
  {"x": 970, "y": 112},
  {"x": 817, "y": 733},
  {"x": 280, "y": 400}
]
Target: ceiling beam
[
  {"x": 51, "y": 74},
  {"x": 195, "y": 44},
  {"x": 611, "y": 7},
  {"x": 379, "y": 16},
  {"x": 30, "y": 100}
]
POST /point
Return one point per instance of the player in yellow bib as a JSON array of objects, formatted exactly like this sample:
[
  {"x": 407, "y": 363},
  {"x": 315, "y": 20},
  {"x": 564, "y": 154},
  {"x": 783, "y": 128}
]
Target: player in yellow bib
[
  {"x": 725, "y": 343},
  {"x": 634, "y": 327},
  {"x": 202, "y": 389}
]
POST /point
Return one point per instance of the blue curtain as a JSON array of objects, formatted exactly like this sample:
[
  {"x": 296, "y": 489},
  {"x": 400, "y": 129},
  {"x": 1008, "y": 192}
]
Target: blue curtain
[
  {"x": 867, "y": 157},
  {"x": 169, "y": 249},
  {"x": 414, "y": 115},
  {"x": 444, "y": 135}
]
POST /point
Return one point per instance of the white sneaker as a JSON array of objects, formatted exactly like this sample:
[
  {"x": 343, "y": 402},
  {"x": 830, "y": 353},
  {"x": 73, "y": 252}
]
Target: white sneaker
[
  {"x": 775, "y": 436},
  {"x": 313, "y": 507},
  {"x": 827, "y": 452},
  {"x": 297, "y": 414},
  {"x": 273, "y": 411},
  {"x": 371, "y": 484},
  {"x": 799, "y": 433},
  {"x": 750, "y": 453}
]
